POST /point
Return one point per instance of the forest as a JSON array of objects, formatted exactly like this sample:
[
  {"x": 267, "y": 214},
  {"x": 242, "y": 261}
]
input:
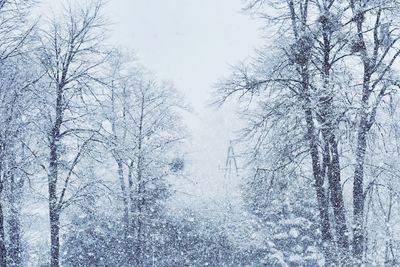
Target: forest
[{"x": 92, "y": 143}]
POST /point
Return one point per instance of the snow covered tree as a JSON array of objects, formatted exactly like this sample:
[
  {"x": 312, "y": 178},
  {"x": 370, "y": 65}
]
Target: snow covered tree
[
  {"x": 303, "y": 96},
  {"x": 376, "y": 46},
  {"x": 15, "y": 32},
  {"x": 143, "y": 131},
  {"x": 16, "y": 112},
  {"x": 288, "y": 218},
  {"x": 70, "y": 53},
  {"x": 290, "y": 87},
  {"x": 95, "y": 237}
]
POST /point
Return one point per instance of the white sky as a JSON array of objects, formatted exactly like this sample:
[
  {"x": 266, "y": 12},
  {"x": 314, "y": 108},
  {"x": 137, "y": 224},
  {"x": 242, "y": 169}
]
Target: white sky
[
  {"x": 192, "y": 43},
  {"x": 188, "y": 41}
]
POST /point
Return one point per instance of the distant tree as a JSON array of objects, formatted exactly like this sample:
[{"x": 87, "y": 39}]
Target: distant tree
[{"x": 143, "y": 131}]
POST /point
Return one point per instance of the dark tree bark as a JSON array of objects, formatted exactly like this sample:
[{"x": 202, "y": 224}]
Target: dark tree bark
[
  {"x": 140, "y": 186},
  {"x": 54, "y": 209},
  {"x": 14, "y": 222},
  {"x": 331, "y": 152},
  {"x": 322, "y": 199},
  {"x": 70, "y": 54},
  {"x": 3, "y": 252},
  {"x": 377, "y": 64},
  {"x": 55, "y": 237},
  {"x": 131, "y": 211},
  {"x": 322, "y": 196},
  {"x": 358, "y": 188},
  {"x": 358, "y": 179},
  {"x": 3, "y": 248},
  {"x": 320, "y": 170}
]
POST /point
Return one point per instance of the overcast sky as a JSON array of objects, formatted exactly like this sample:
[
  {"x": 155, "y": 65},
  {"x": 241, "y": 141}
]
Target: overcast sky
[{"x": 192, "y": 43}]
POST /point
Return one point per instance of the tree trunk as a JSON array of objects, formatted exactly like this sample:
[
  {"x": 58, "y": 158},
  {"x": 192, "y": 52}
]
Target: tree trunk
[
  {"x": 124, "y": 195},
  {"x": 338, "y": 205},
  {"x": 332, "y": 172},
  {"x": 358, "y": 193},
  {"x": 54, "y": 210},
  {"x": 132, "y": 210},
  {"x": 358, "y": 180},
  {"x": 55, "y": 237},
  {"x": 131, "y": 188},
  {"x": 54, "y": 206},
  {"x": 139, "y": 245},
  {"x": 331, "y": 153},
  {"x": 322, "y": 200},
  {"x": 363, "y": 128},
  {"x": 140, "y": 189},
  {"x": 126, "y": 219},
  {"x": 14, "y": 222},
  {"x": 3, "y": 259},
  {"x": 3, "y": 248},
  {"x": 139, "y": 221}
]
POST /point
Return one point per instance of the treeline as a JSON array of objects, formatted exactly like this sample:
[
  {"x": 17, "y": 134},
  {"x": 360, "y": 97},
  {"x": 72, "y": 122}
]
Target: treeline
[
  {"x": 90, "y": 143},
  {"x": 91, "y": 140},
  {"x": 90, "y": 133},
  {"x": 321, "y": 104}
]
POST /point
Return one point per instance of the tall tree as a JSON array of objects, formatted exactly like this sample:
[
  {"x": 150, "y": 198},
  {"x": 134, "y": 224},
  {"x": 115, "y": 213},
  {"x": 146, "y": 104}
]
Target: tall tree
[
  {"x": 70, "y": 53},
  {"x": 16, "y": 112},
  {"x": 14, "y": 32},
  {"x": 375, "y": 43},
  {"x": 144, "y": 134},
  {"x": 315, "y": 67},
  {"x": 302, "y": 74}
]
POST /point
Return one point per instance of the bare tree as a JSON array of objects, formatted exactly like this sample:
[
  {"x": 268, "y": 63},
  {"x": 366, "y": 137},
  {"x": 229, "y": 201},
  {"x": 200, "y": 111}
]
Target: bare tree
[
  {"x": 16, "y": 109},
  {"x": 157, "y": 131},
  {"x": 143, "y": 137},
  {"x": 15, "y": 27},
  {"x": 14, "y": 33},
  {"x": 70, "y": 54},
  {"x": 376, "y": 45},
  {"x": 304, "y": 52},
  {"x": 326, "y": 39},
  {"x": 118, "y": 137}
]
